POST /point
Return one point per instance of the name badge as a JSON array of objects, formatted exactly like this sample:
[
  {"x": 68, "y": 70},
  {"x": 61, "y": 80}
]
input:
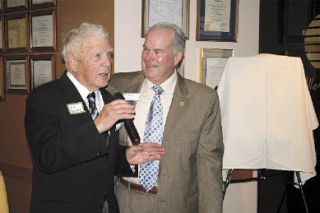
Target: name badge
[
  {"x": 131, "y": 96},
  {"x": 75, "y": 108}
]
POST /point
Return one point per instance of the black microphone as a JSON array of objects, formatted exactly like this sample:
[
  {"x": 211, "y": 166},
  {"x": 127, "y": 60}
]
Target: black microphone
[{"x": 128, "y": 123}]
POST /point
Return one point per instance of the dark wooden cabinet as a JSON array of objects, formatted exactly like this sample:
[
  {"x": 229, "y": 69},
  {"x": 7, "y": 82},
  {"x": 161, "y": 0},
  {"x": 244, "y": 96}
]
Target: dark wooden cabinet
[{"x": 283, "y": 26}]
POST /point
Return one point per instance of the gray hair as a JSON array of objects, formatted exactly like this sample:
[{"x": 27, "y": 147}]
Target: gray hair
[
  {"x": 179, "y": 41},
  {"x": 73, "y": 40}
]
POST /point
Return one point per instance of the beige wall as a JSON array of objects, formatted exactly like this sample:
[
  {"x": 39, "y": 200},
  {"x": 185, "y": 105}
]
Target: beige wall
[
  {"x": 15, "y": 161},
  {"x": 242, "y": 197}
]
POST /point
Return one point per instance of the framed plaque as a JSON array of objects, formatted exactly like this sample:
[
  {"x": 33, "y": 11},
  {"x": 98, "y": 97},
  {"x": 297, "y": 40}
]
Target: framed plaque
[
  {"x": 155, "y": 11},
  {"x": 43, "y": 31},
  {"x": 212, "y": 64},
  {"x": 42, "y": 69},
  {"x": 17, "y": 33},
  {"x": 17, "y": 74},
  {"x": 35, "y": 4},
  {"x": 15, "y": 5},
  {"x": 217, "y": 20},
  {"x": 2, "y": 85}
]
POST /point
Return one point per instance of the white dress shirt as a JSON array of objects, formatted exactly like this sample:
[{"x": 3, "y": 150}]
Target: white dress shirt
[{"x": 84, "y": 92}]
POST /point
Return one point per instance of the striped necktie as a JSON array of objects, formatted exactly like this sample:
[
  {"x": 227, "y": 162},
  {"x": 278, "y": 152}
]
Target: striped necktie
[{"x": 92, "y": 105}]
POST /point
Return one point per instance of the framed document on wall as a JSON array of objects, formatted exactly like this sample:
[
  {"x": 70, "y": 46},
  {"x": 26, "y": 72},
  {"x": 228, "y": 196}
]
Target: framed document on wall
[
  {"x": 15, "y": 5},
  {"x": 42, "y": 69},
  {"x": 17, "y": 74},
  {"x": 17, "y": 32},
  {"x": 155, "y": 11},
  {"x": 212, "y": 64},
  {"x": 42, "y": 3},
  {"x": 43, "y": 31},
  {"x": 217, "y": 20}
]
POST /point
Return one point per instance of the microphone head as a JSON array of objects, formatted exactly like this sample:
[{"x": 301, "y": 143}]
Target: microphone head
[{"x": 118, "y": 95}]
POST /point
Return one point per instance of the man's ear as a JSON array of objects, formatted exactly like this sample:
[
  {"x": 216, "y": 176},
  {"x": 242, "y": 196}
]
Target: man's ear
[
  {"x": 72, "y": 62},
  {"x": 177, "y": 58}
]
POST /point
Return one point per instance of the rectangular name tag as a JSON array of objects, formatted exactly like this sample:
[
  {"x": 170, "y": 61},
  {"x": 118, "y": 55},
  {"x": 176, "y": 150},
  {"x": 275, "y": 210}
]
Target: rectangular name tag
[
  {"x": 131, "y": 96},
  {"x": 75, "y": 108}
]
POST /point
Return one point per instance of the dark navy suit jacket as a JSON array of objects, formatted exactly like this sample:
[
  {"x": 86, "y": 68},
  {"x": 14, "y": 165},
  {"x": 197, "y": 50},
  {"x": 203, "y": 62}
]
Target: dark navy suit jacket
[{"x": 73, "y": 165}]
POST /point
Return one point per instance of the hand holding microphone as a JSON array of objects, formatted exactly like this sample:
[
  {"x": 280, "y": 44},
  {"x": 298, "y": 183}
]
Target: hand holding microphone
[
  {"x": 129, "y": 125},
  {"x": 112, "y": 112}
]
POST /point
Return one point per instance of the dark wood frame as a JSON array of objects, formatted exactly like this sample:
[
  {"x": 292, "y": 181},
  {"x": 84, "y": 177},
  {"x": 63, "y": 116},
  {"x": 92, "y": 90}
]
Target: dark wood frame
[
  {"x": 11, "y": 9},
  {"x": 144, "y": 28},
  {"x": 54, "y": 30},
  {"x": 48, "y": 57},
  {"x": 202, "y": 35},
  {"x": 22, "y": 91},
  {"x": 2, "y": 28},
  {"x": 12, "y": 17}
]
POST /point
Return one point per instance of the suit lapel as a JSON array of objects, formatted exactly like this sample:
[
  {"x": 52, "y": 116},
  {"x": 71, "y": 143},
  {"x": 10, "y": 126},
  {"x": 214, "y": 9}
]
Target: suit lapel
[
  {"x": 71, "y": 96},
  {"x": 176, "y": 108}
]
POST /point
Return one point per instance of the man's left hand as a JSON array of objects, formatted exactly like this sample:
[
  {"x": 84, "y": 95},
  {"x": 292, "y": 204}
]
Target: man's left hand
[{"x": 144, "y": 152}]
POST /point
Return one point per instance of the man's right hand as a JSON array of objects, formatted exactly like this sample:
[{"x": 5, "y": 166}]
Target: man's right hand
[{"x": 113, "y": 112}]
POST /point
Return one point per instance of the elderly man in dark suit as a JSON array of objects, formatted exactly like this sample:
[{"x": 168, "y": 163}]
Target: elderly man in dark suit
[
  {"x": 188, "y": 178},
  {"x": 71, "y": 126}
]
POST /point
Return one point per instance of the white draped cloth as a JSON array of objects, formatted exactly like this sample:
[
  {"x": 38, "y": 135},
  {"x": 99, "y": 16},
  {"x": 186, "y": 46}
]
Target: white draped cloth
[{"x": 267, "y": 115}]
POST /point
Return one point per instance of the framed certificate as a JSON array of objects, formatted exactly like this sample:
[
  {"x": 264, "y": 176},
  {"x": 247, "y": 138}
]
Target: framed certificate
[
  {"x": 212, "y": 64},
  {"x": 2, "y": 86},
  {"x": 217, "y": 20},
  {"x": 42, "y": 69},
  {"x": 17, "y": 74},
  {"x": 17, "y": 32},
  {"x": 15, "y": 5},
  {"x": 43, "y": 31},
  {"x": 35, "y": 4},
  {"x": 155, "y": 11}
]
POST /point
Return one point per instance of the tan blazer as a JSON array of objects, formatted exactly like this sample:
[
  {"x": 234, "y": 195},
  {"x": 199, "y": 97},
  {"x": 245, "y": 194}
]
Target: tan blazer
[{"x": 190, "y": 177}]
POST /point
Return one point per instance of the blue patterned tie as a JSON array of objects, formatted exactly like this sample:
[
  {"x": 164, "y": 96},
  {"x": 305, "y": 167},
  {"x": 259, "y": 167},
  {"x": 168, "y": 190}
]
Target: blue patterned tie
[
  {"x": 149, "y": 171},
  {"x": 92, "y": 105}
]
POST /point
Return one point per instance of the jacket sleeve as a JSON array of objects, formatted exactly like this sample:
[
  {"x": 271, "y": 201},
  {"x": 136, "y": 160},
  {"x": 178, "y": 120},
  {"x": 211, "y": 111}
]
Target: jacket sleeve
[
  {"x": 209, "y": 160},
  {"x": 53, "y": 146}
]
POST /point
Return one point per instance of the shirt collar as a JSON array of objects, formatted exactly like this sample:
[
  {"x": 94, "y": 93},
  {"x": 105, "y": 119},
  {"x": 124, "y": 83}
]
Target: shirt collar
[
  {"x": 168, "y": 85},
  {"x": 81, "y": 89}
]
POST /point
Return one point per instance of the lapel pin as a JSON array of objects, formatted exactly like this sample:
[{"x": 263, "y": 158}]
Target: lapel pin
[{"x": 181, "y": 104}]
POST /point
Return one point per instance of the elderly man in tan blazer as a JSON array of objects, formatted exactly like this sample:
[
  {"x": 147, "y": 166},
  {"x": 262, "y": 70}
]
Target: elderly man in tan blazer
[{"x": 190, "y": 173}]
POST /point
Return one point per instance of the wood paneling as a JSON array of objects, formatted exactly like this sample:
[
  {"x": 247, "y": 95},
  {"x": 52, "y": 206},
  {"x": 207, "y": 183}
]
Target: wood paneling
[{"x": 15, "y": 158}]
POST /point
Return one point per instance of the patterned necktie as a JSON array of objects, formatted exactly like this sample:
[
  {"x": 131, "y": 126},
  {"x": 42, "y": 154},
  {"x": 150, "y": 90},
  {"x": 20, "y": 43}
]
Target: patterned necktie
[
  {"x": 149, "y": 171},
  {"x": 92, "y": 105}
]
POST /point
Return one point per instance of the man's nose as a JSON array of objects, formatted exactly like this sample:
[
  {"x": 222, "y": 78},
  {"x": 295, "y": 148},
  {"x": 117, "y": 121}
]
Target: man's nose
[{"x": 107, "y": 59}]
